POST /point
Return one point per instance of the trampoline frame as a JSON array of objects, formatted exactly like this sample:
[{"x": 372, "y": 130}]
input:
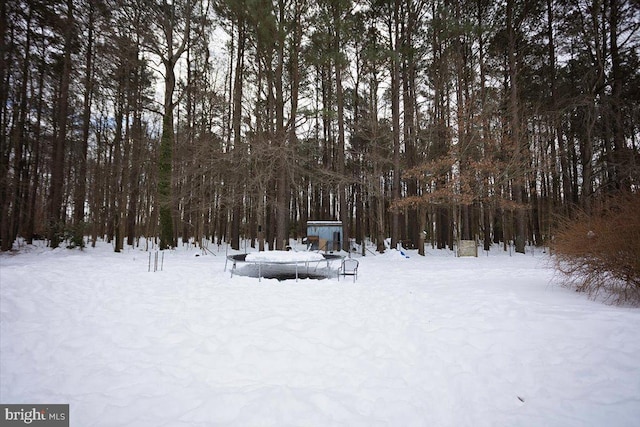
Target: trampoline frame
[{"x": 329, "y": 258}]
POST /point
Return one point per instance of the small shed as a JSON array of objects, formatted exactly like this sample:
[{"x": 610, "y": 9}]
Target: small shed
[{"x": 324, "y": 235}]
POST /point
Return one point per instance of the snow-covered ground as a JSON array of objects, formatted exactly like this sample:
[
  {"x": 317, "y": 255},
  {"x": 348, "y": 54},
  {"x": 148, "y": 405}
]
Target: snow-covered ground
[{"x": 418, "y": 341}]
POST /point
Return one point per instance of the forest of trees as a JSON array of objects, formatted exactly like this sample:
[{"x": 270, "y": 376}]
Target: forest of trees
[{"x": 421, "y": 120}]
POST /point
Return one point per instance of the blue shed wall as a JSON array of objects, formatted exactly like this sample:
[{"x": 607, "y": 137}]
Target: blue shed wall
[
  {"x": 329, "y": 231},
  {"x": 324, "y": 232}
]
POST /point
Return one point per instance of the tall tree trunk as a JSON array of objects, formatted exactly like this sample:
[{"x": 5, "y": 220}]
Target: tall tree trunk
[
  {"x": 169, "y": 56},
  {"x": 514, "y": 119},
  {"x": 295, "y": 80},
  {"x": 394, "y": 39},
  {"x": 409, "y": 108},
  {"x": 6, "y": 58},
  {"x": 620, "y": 158},
  {"x": 486, "y": 135},
  {"x": 59, "y": 144},
  {"x": 20, "y": 143},
  {"x": 81, "y": 178},
  {"x": 35, "y": 175},
  {"x": 555, "y": 163},
  {"x": 134, "y": 176},
  {"x": 342, "y": 202},
  {"x": 282, "y": 178},
  {"x": 165, "y": 162},
  {"x": 236, "y": 122}
]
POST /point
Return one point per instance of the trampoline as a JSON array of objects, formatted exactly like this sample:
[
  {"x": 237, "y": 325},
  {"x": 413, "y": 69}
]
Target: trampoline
[{"x": 284, "y": 265}]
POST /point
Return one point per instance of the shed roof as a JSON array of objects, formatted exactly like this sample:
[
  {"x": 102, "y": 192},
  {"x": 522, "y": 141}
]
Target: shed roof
[{"x": 324, "y": 223}]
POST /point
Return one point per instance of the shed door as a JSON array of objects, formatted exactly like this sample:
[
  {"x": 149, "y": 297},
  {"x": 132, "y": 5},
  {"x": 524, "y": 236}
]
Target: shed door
[{"x": 336, "y": 241}]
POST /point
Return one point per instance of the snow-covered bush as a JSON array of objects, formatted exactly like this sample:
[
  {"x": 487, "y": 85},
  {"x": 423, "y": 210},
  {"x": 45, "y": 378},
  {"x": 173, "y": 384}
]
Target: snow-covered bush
[{"x": 600, "y": 253}]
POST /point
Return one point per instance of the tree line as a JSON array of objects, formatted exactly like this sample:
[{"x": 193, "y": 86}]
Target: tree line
[{"x": 424, "y": 120}]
